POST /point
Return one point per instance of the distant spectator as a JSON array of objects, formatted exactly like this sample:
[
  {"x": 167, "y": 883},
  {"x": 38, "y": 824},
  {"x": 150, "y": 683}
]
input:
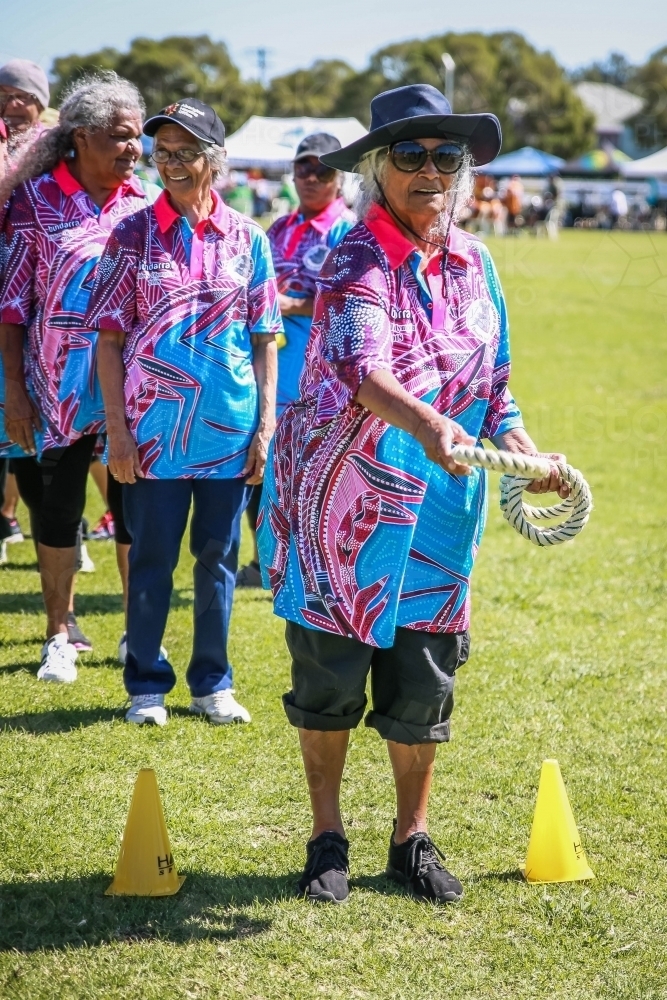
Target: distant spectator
[
  {"x": 239, "y": 196},
  {"x": 618, "y": 207},
  {"x": 513, "y": 201},
  {"x": 24, "y": 97}
]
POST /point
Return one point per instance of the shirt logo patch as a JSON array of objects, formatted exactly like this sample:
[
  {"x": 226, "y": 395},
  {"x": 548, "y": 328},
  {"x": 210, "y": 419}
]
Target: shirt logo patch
[
  {"x": 482, "y": 319},
  {"x": 62, "y": 225},
  {"x": 314, "y": 258},
  {"x": 241, "y": 267},
  {"x": 189, "y": 111}
]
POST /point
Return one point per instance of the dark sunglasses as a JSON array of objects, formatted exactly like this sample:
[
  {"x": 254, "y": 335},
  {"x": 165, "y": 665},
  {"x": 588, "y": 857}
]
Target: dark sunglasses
[
  {"x": 409, "y": 157},
  {"x": 304, "y": 168}
]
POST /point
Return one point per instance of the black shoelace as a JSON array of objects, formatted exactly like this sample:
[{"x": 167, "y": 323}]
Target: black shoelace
[
  {"x": 328, "y": 854},
  {"x": 422, "y": 857}
]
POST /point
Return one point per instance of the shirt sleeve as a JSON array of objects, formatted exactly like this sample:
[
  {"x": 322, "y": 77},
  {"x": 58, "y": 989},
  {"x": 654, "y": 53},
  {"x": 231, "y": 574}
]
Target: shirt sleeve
[
  {"x": 263, "y": 311},
  {"x": 351, "y": 312},
  {"x": 113, "y": 301},
  {"x": 502, "y": 412},
  {"x": 20, "y": 262}
]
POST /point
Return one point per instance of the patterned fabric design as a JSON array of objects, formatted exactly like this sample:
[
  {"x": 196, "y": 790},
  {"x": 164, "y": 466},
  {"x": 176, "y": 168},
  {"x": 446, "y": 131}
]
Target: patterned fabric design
[
  {"x": 52, "y": 244},
  {"x": 299, "y": 251},
  {"x": 359, "y": 532},
  {"x": 190, "y": 390}
]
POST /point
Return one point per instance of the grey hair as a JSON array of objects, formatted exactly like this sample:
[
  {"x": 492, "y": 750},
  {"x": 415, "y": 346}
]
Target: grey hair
[
  {"x": 373, "y": 168},
  {"x": 90, "y": 103},
  {"x": 217, "y": 160}
]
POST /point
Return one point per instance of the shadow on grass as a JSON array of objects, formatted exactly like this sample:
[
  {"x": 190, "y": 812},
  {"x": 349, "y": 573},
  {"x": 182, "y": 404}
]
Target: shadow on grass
[
  {"x": 377, "y": 883},
  {"x": 26, "y": 641},
  {"x": 12, "y": 564},
  {"x": 59, "y": 720},
  {"x": 84, "y": 604},
  {"x": 513, "y": 875},
  {"x": 71, "y": 913}
]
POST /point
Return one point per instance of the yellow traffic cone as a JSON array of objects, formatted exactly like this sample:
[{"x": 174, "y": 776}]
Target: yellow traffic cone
[
  {"x": 145, "y": 864},
  {"x": 555, "y": 853}
]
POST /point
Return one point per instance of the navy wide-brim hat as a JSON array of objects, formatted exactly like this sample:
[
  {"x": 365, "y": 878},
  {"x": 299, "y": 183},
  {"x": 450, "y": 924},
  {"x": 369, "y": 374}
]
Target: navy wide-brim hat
[{"x": 419, "y": 111}]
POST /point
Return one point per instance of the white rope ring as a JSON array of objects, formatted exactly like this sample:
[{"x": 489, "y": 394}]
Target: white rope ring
[{"x": 520, "y": 471}]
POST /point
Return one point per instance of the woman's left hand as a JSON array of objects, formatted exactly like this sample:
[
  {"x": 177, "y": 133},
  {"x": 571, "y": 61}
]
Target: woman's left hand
[
  {"x": 552, "y": 483},
  {"x": 256, "y": 462}
]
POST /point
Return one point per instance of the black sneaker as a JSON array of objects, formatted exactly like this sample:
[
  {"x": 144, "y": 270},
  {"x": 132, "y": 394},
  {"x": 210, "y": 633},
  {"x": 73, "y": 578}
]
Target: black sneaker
[
  {"x": 415, "y": 865},
  {"x": 76, "y": 636},
  {"x": 324, "y": 878}
]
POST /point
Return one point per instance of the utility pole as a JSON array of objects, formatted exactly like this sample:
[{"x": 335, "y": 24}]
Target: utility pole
[
  {"x": 262, "y": 55},
  {"x": 450, "y": 67}
]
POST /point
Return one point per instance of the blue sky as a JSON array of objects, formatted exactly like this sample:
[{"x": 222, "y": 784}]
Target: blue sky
[{"x": 296, "y": 32}]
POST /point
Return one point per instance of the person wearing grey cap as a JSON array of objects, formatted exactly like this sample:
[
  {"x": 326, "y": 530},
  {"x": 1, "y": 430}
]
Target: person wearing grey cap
[
  {"x": 24, "y": 95},
  {"x": 300, "y": 243}
]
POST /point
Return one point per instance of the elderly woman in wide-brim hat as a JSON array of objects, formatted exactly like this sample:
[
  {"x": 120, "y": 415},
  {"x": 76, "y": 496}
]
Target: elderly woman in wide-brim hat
[{"x": 369, "y": 527}]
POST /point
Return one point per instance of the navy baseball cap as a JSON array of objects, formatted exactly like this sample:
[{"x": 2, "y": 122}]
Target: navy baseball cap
[
  {"x": 194, "y": 116},
  {"x": 316, "y": 144}
]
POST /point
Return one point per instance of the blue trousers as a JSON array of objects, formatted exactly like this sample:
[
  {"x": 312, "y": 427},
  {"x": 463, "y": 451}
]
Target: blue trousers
[{"x": 156, "y": 514}]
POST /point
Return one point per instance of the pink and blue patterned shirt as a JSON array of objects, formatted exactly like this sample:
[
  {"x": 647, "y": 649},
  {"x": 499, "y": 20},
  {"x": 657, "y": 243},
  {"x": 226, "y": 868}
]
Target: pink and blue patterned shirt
[
  {"x": 299, "y": 247},
  {"x": 359, "y": 532},
  {"x": 53, "y": 236},
  {"x": 189, "y": 304}
]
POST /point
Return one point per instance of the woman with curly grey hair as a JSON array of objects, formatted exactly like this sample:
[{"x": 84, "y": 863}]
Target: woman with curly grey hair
[{"x": 67, "y": 192}]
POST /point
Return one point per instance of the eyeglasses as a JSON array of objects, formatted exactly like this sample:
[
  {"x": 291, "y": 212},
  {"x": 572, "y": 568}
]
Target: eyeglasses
[
  {"x": 304, "y": 169},
  {"x": 22, "y": 99},
  {"x": 409, "y": 157},
  {"x": 184, "y": 155}
]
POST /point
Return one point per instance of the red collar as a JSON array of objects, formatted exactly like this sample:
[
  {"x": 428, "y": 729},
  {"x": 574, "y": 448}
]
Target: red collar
[
  {"x": 167, "y": 215},
  {"x": 69, "y": 185},
  {"x": 322, "y": 223},
  {"x": 398, "y": 247}
]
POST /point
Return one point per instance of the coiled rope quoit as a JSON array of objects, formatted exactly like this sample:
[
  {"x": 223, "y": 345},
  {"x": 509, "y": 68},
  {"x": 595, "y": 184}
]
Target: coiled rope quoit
[{"x": 520, "y": 470}]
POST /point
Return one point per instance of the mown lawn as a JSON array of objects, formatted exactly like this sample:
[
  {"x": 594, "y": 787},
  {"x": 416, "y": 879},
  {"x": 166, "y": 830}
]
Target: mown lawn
[{"x": 568, "y": 661}]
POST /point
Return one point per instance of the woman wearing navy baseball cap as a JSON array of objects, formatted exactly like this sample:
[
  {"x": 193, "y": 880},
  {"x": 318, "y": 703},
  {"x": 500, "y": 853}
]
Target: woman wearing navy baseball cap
[{"x": 187, "y": 306}]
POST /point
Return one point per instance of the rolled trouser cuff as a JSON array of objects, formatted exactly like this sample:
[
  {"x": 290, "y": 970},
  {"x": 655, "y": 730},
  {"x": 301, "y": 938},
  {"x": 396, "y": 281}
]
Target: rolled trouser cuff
[
  {"x": 302, "y": 719},
  {"x": 408, "y": 733}
]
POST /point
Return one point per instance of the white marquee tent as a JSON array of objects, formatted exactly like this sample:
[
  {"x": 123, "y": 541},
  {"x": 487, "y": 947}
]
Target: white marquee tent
[
  {"x": 654, "y": 165},
  {"x": 270, "y": 143}
]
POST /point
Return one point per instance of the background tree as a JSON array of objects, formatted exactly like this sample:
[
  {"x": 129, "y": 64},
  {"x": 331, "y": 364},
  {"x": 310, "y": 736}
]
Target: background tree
[
  {"x": 615, "y": 69},
  {"x": 650, "y": 82},
  {"x": 315, "y": 91},
  {"x": 172, "y": 68},
  {"x": 528, "y": 91}
]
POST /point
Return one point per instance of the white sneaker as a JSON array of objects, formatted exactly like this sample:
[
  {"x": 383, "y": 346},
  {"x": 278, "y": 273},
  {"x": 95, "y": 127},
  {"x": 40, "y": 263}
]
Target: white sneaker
[
  {"x": 221, "y": 707},
  {"x": 58, "y": 660},
  {"x": 3, "y": 553},
  {"x": 122, "y": 650},
  {"x": 87, "y": 564},
  {"x": 147, "y": 708}
]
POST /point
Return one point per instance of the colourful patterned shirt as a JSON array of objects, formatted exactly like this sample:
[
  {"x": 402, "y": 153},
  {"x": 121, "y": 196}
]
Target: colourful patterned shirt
[
  {"x": 359, "y": 532},
  {"x": 191, "y": 399},
  {"x": 300, "y": 247},
  {"x": 54, "y": 237}
]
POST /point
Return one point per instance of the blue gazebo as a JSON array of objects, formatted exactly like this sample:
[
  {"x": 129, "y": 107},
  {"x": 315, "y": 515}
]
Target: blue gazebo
[{"x": 527, "y": 162}]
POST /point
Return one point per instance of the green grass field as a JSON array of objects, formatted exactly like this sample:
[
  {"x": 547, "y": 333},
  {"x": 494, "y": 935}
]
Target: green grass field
[{"x": 568, "y": 661}]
